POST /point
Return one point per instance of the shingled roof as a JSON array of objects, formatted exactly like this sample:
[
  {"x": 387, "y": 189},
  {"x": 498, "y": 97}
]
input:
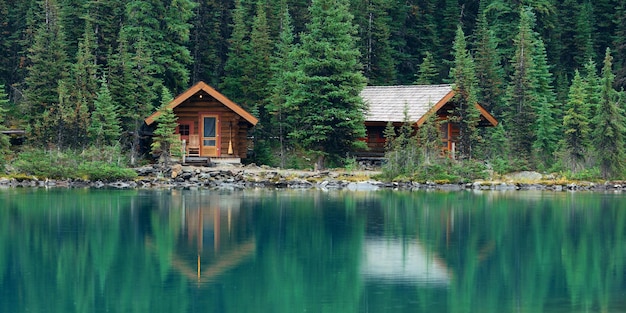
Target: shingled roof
[{"x": 387, "y": 103}]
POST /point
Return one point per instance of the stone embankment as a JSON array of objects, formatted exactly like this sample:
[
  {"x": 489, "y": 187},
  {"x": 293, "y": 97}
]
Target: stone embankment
[{"x": 243, "y": 177}]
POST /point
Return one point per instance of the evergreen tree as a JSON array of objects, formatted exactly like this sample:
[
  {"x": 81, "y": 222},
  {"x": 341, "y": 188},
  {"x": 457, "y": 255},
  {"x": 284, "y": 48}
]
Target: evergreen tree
[
  {"x": 489, "y": 71},
  {"x": 576, "y": 127},
  {"x": 258, "y": 70},
  {"x": 85, "y": 69},
  {"x": 4, "y": 139},
  {"x": 283, "y": 67},
  {"x": 466, "y": 95},
  {"x": 233, "y": 84},
  {"x": 47, "y": 66},
  {"x": 105, "y": 128},
  {"x": 104, "y": 18},
  {"x": 374, "y": 33},
  {"x": 544, "y": 105},
  {"x": 520, "y": 116},
  {"x": 133, "y": 89},
  {"x": 208, "y": 45},
  {"x": 329, "y": 113},
  {"x": 429, "y": 138},
  {"x": 165, "y": 141},
  {"x": 619, "y": 42},
  {"x": 428, "y": 72},
  {"x": 609, "y": 126},
  {"x": 593, "y": 88},
  {"x": 161, "y": 29}
]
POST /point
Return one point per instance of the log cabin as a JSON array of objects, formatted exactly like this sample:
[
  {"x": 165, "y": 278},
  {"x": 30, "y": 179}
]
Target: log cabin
[
  {"x": 388, "y": 103},
  {"x": 211, "y": 125}
]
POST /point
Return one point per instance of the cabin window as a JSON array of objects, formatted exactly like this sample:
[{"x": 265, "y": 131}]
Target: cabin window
[{"x": 183, "y": 129}]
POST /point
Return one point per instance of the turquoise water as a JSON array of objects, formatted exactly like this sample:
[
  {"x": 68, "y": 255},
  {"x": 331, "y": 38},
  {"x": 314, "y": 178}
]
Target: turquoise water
[{"x": 309, "y": 251}]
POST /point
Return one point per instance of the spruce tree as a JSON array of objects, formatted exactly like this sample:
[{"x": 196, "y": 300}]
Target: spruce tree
[
  {"x": 165, "y": 141},
  {"x": 48, "y": 65},
  {"x": 576, "y": 127},
  {"x": 374, "y": 38},
  {"x": 328, "y": 111},
  {"x": 233, "y": 84},
  {"x": 466, "y": 95},
  {"x": 489, "y": 71},
  {"x": 429, "y": 139},
  {"x": 609, "y": 126},
  {"x": 105, "y": 128},
  {"x": 428, "y": 72},
  {"x": 520, "y": 97},
  {"x": 547, "y": 112},
  {"x": 4, "y": 139},
  {"x": 283, "y": 67}
]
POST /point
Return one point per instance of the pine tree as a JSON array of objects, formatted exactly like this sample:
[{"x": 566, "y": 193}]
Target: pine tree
[
  {"x": 619, "y": 42},
  {"x": 489, "y": 71},
  {"x": 544, "y": 104},
  {"x": 165, "y": 141},
  {"x": 374, "y": 35},
  {"x": 208, "y": 43},
  {"x": 466, "y": 95},
  {"x": 429, "y": 138},
  {"x": 48, "y": 65},
  {"x": 84, "y": 71},
  {"x": 520, "y": 116},
  {"x": 133, "y": 89},
  {"x": 105, "y": 128},
  {"x": 232, "y": 84},
  {"x": 576, "y": 127},
  {"x": 329, "y": 113},
  {"x": 4, "y": 139},
  {"x": 609, "y": 126},
  {"x": 428, "y": 72},
  {"x": 257, "y": 67},
  {"x": 283, "y": 67},
  {"x": 161, "y": 29}
]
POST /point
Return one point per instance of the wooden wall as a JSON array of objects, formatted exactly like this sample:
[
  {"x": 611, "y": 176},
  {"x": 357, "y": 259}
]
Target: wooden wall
[{"x": 229, "y": 123}]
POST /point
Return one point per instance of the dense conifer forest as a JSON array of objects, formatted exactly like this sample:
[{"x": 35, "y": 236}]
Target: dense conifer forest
[{"x": 85, "y": 73}]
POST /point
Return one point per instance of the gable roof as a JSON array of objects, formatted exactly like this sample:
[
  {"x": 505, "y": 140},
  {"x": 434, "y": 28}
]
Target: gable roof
[
  {"x": 387, "y": 103},
  {"x": 202, "y": 86}
]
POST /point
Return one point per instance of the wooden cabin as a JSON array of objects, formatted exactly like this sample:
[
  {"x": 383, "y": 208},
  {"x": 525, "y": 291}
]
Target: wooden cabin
[
  {"x": 388, "y": 103},
  {"x": 211, "y": 125}
]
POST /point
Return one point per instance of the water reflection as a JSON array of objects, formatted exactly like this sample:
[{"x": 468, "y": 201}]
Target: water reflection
[{"x": 303, "y": 251}]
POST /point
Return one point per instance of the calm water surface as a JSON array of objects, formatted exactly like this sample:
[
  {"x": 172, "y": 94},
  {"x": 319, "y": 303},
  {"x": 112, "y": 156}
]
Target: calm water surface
[{"x": 310, "y": 251}]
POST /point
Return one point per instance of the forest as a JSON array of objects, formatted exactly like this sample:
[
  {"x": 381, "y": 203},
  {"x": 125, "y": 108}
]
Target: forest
[{"x": 81, "y": 75}]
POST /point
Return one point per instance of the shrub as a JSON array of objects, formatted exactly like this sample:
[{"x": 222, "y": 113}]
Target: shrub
[{"x": 106, "y": 163}]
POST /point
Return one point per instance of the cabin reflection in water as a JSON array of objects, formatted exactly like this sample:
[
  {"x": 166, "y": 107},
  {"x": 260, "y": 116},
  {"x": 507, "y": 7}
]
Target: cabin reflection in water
[
  {"x": 214, "y": 236},
  {"x": 404, "y": 262}
]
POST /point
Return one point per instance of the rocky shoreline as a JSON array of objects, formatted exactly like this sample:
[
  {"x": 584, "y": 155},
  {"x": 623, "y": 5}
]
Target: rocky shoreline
[{"x": 245, "y": 177}]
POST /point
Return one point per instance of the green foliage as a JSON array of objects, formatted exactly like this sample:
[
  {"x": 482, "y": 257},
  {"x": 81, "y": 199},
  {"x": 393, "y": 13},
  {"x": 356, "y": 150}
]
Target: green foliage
[
  {"x": 165, "y": 141},
  {"x": 105, "y": 128},
  {"x": 428, "y": 72},
  {"x": 4, "y": 139},
  {"x": 576, "y": 145},
  {"x": 106, "y": 164},
  {"x": 463, "y": 75},
  {"x": 609, "y": 125},
  {"x": 328, "y": 113}
]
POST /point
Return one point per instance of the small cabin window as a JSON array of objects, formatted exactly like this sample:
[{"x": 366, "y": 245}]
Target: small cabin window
[{"x": 183, "y": 129}]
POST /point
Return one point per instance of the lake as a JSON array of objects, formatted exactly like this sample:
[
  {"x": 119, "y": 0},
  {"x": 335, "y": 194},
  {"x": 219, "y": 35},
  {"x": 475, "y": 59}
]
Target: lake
[{"x": 311, "y": 251}]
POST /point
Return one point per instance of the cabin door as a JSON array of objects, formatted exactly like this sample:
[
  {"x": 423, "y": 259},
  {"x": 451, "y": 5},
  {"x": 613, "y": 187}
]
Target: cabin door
[{"x": 210, "y": 142}]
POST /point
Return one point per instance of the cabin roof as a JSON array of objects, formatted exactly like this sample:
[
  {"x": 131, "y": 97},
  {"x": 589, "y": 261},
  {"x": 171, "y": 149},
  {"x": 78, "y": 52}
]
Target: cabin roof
[
  {"x": 202, "y": 86},
  {"x": 387, "y": 103}
]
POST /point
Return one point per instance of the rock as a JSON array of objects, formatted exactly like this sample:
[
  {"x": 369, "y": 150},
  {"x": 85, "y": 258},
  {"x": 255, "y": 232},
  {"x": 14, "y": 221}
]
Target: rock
[
  {"x": 176, "y": 170},
  {"x": 362, "y": 186},
  {"x": 524, "y": 176}
]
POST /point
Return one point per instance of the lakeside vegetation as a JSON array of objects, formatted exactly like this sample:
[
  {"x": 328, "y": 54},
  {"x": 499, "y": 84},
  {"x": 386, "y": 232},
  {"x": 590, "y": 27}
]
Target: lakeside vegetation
[{"x": 79, "y": 77}]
